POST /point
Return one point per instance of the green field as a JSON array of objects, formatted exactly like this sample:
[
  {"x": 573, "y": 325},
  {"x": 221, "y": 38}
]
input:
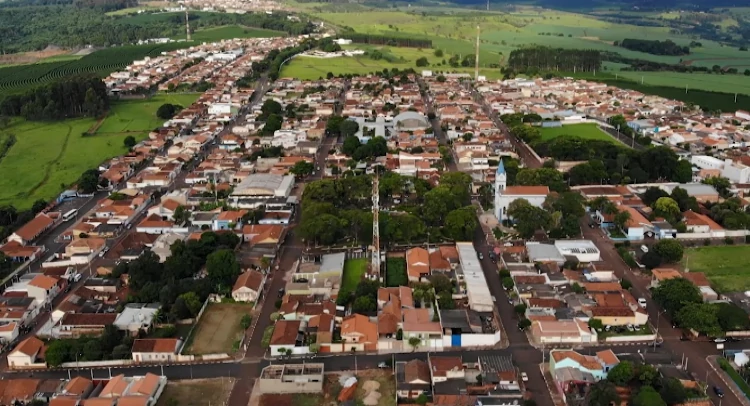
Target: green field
[
  {"x": 694, "y": 81},
  {"x": 586, "y": 131},
  {"x": 229, "y": 32},
  {"x": 725, "y": 266},
  {"x": 139, "y": 116},
  {"x": 354, "y": 270},
  {"x": 49, "y": 156}
]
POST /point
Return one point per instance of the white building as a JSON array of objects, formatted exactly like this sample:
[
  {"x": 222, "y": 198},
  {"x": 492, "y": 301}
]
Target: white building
[
  {"x": 706, "y": 162},
  {"x": 288, "y": 138},
  {"x": 480, "y": 298},
  {"x": 505, "y": 195},
  {"x": 736, "y": 172},
  {"x": 219, "y": 109},
  {"x": 583, "y": 250}
]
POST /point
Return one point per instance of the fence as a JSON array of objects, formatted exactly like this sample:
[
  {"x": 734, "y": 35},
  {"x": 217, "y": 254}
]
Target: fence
[
  {"x": 620, "y": 339},
  {"x": 195, "y": 323}
]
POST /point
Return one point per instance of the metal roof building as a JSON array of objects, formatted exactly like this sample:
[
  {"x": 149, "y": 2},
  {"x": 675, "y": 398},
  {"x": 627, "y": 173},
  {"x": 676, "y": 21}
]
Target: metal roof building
[{"x": 480, "y": 298}]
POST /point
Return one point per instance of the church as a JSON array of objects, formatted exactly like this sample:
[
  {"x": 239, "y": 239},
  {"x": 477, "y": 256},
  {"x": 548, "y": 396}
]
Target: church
[{"x": 505, "y": 195}]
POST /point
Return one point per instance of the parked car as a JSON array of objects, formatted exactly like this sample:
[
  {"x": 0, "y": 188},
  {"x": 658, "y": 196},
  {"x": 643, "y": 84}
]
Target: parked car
[
  {"x": 644, "y": 249},
  {"x": 720, "y": 340},
  {"x": 481, "y": 256},
  {"x": 718, "y": 392},
  {"x": 524, "y": 377},
  {"x": 383, "y": 365}
]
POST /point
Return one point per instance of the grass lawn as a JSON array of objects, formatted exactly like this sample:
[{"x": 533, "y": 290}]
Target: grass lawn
[
  {"x": 725, "y": 266},
  {"x": 229, "y": 32},
  {"x": 700, "y": 81},
  {"x": 218, "y": 328},
  {"x": 139, "y": 116},
  {"x": 395, "y": 272},
  {"x": 736, "y": 377},
  {"x": 586, "y": 131},
  {"x": 354, "y": 269},
  {"x": 196, "y": 392}
]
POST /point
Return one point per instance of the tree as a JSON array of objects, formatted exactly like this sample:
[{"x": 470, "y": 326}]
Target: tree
[
  {"x": 348, "y": 128},
  {"x": 674, "y": 294},
  {"x": 460, "y": 224},
  {"x": 621, "y": 374},
  {"x": 246, "y": 321},
  {"x": 519, "y": 309},
  {"x": 121, "y": 351},
  {"x": 596, "y": 324},
  {"x": 363, "y": 304},
  {"x": 673, "y": 391},
  {"x": 57, "y": 352},
  {"x": 192, "y": 301},
  {"x": 508, "y": 283},
  {"x": 524, "y": 324},
  {"x": 652, "y": 194},
  {"x": 701, "y": 317},
  {"x": 269, "y": 107},
  {"x": 721, "y": 184},
  {"x": 626, "y": 284},
  {"x": 273, "y": 124},
  {"x": 302, "y": 168},
  {"x": 38, "y": 206},
  {"x": 314, "y": 348},
  {"x": 438, "y": 53},
  {"x": 647, "y": 375},
  {"x": 92, "y": 350},
  {"x": 89, "y": 181},
  {"x": 129, "y": 141},
  {"x": 422, "y": 398},
  {"x": 421, "y": 62},
  {"x": 414, "y": 342},
  {"x": 166, "y": 111},
  {"x": 222, "y": 267},
  {"x": 181, "y": 215},
  {"x": 648, "y": 396},
  {"x": 621, "y": 219},
  {"x": 651, "y": 260},
  {"x": 670, "y": 250},
  {"x": 351, "y": 144},
  {"x": 668, "y": 208},
  {"x": 732, "y": 317}
]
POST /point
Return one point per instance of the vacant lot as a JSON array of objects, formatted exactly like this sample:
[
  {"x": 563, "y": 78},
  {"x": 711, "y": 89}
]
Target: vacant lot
[
  {"x": 586, "y": 131},
  {"x": 138, "y": 117},
  {"x": 354, "y": 269},
  {"x": 218, "y": 329},
  {"x": 725, "y": 266},
  {"x": 197, "y": 392}
]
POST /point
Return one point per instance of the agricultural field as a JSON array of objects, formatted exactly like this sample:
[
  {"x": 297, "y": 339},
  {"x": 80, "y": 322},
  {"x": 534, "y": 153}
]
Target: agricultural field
[
  {"x": 696, "y": 81},
  {"x": 196, "y": 392},
  {"x": 20, "y": 77},
  {"x": 137, "y": 117},
  {"x": 725, "y": 266},
  {"x": 48, "y": 156},
  {"x": 354, "y": 270},
  {"x": 218, "y": 329},
  {"x": 586, "y": 131},
  {"x": 229, "y": 32}
]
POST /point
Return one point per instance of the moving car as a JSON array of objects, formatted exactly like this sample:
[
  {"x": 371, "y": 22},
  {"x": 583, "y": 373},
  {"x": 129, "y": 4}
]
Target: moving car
[
  {"x": 718, "y": 392},
  {"x": 644, "y": 249},
  {"x": 642, "y": 302},
  {"x": 481, "y": 256},
  {"x": 524, "y": 377}
]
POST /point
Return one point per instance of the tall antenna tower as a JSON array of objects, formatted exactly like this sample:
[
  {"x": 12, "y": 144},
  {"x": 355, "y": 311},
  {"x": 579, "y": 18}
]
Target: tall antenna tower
[
  {"x": 375, "y": 265},
  {"x": 187, "y": 24},
  {"x": 476, "y": 62},
  {"x": 488, "y": 5}
]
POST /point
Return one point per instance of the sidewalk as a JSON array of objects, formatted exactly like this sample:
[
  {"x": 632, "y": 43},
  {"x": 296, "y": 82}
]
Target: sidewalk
[
  {"x": 728, "y": 382},
  {"x": 557, "y": 398}
]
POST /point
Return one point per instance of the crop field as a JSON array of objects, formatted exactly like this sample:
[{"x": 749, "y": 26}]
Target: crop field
[
  {"x": 586, "y": 131},
  {"x": 20, "y": 77},
  {"x": 139, "y": 116},
  {"x": 724, "y": 266},
  {"x": 700, "y": 81},
  {"x": 48, "y": 156},
  {"x": 218, "y": 328},
  {"x": 231, "y": 31}
]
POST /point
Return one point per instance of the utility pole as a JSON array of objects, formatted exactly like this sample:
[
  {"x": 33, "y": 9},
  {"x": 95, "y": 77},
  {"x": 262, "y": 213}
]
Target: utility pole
[
  {"x": 187, "y": 25},
  {"x": 476, "y": 62},
  {"x": 488, "y": 5}
]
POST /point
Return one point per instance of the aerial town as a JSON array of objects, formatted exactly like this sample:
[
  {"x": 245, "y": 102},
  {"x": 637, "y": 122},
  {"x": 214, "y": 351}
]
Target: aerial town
[{"x": 402, "y": 237}]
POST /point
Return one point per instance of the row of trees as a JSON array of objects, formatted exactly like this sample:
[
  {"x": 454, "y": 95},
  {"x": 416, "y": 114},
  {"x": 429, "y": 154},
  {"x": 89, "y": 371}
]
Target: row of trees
[
  {"x": 271, "y": 64},
  {"x": 651, "y": 388},
  {"x": 684, "y": 303},
  {"x": 75, "y": 96},
  {"x": 558, "y": 215},
  {"x": 554, "y": 59},
  {"x": 655, "y": 47},
  {"x": 387, "y": 40},
  {"x": 112, "y": 344}
]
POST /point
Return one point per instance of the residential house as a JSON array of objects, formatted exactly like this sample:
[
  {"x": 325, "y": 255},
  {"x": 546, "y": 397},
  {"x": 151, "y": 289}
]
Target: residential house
[
  {"x": 417, "y": 264},
  {"x": 248, "y": 286},
  {"x": 156, "y": 349},
  {"x": 84, "y": 324},
  {"x": 590, "y": 368},
  {"x": 44, "y": 289},
  {"x": 289, "y": 335},
  {"x": 26, "y": 353},
  {"x": 562, "y": 331},
  {"x": 359, "y": 333},
  {"x": 33, "y": 229},
  {"x": 412, "y": 379},
  {"x": 659, "y": 275}
]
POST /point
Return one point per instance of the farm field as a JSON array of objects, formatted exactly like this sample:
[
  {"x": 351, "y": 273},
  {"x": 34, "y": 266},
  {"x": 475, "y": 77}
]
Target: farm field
[
  {"x": 354, "y": 269},
  {"x": 229, "y": 32},
  {"x": 218, "y": 329},
  {"x": 139, "y": 116},
  {"x": 701, "y": 81},
  {"x": 725, "y": 266},
  {"x": 48, "y": 156},
  {"x": 196, "y": 392},
  {"x": 586, "y": 131},
  {"x": 17, "y": 78}
]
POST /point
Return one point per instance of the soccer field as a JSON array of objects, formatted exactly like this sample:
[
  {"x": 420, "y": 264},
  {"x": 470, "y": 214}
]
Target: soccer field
[{"x": 585, "y": 131}]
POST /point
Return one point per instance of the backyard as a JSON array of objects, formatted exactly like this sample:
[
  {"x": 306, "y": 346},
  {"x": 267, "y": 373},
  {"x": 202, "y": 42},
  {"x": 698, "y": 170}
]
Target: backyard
[
  {"x": 354, "y": 270},
  {"x": 219, "y": 329},
  {"x": 586, "y": 131},
  {"x": 197, "y": 392},
  {"x": 725, "y": 266}
]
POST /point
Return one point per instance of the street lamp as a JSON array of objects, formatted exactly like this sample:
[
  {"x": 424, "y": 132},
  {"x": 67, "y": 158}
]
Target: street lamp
[{"x": 658, "y": 317}]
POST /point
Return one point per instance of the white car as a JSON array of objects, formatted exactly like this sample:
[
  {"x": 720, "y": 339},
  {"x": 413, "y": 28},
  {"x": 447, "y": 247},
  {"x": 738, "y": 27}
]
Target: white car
[
  {"x": 642, "y": 303},
  {"x": 524, "y": 377},
  {"x": 644, "y": 249}
]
